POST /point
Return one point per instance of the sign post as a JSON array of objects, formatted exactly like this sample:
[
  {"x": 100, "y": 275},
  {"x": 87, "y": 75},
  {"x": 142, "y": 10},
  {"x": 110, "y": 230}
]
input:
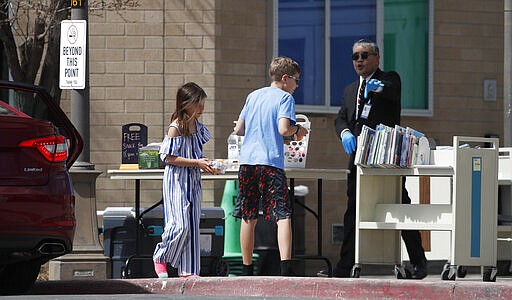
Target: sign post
[
  {"x": 87, "y": 260},
  {"x": 76, "y": 54}
]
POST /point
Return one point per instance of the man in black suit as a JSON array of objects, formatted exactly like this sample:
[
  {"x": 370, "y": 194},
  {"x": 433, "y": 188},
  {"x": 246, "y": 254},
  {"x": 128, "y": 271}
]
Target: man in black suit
[{"x": 377, "y": 102}]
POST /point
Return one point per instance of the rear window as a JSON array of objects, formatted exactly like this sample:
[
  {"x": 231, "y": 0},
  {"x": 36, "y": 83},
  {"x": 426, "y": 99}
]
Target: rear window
[
  {"x": 6, "y": 110},
  {"x": 27, "y": 102}
]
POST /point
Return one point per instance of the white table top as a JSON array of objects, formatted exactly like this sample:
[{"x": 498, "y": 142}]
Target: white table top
[{"x": 150, "y": 174}]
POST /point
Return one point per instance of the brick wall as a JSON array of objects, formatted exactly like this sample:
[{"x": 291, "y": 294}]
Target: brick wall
[
  {"x": 139, "y": 59},
  {"x": 127, "y": 79}
]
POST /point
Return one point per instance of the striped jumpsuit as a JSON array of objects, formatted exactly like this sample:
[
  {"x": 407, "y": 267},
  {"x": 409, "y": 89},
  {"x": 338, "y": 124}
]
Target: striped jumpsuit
[{"x": 182, "y": 203}]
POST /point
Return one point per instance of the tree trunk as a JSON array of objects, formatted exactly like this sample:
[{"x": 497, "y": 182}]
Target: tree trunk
[
  {"x": 31, "y": 52},
  {"x": 9, "y": 43},
  {"x": 50, "y": 70}
]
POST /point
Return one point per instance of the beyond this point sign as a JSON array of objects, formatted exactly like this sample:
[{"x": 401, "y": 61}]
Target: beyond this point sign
[{"x": 73, "y": 36}]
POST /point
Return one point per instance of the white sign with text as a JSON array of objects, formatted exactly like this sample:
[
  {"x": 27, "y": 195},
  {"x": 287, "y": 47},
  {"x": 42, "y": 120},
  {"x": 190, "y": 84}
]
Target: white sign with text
[{"x": 73, "y": 37}]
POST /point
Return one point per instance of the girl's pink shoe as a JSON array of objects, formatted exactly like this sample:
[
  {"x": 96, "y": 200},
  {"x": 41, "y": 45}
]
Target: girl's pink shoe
[{"x": 161, "y": 270}]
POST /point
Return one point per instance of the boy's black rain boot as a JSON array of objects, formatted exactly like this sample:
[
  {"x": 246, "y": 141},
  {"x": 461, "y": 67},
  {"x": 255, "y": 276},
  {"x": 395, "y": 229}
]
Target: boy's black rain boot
[
  {"x": 286, "y": 268},
  {"x": 247, "y": 270}
]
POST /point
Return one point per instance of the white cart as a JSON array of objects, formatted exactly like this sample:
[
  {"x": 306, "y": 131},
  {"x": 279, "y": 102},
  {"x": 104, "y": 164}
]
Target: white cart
[
  {"x": 505, "y": 202},
  {"x": 470, "y": 217}
]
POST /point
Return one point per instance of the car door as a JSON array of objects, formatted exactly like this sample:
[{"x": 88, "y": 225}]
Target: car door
[{"x": 37, "y": 103}]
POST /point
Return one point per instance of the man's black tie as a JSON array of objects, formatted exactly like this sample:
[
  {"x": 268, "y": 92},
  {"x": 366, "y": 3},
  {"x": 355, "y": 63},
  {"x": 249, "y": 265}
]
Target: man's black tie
[{"x": 360, "y": 98}]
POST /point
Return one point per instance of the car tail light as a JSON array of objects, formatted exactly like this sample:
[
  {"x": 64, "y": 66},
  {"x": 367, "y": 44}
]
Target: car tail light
[{"x": 53, "y": 148}]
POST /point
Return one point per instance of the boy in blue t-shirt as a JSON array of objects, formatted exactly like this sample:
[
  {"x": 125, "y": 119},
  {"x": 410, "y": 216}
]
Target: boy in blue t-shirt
[{"x": 267, "y": 116}]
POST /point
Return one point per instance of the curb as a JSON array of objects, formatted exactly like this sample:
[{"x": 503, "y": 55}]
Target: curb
[{"x": 273, "y": 286}]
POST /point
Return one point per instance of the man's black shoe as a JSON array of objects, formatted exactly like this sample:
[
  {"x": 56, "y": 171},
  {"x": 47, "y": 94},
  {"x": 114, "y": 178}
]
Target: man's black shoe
[
  {"x": 419, "y": 271},
  {"x": 335, "y": 273}
]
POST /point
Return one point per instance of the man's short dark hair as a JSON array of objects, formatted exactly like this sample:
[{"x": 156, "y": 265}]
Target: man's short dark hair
[{"x": 367, "y": 43}]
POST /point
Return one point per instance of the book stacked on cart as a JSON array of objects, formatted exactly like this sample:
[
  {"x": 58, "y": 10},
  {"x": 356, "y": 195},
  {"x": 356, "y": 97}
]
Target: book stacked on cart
[{"x": 391, "y": 147}]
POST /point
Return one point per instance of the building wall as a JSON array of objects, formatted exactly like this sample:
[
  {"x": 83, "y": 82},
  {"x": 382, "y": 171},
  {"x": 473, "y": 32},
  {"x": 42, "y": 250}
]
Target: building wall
[
  {"x": 468, "y": 48},
  {"x": 137, "y": 62}
]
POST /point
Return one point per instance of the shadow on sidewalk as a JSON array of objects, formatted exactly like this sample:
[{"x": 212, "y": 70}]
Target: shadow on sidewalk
[{"x": 83, "y": 287}]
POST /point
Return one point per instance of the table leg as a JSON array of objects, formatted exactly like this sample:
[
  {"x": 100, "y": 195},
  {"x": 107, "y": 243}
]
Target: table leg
[
  {"x": 318, "y": 216},
  {"x": 319, "y": 213},
  {"x": 127, "y": 272},
  {"x": 292, "y": 201},
  {"x": 137, "y": 215}
]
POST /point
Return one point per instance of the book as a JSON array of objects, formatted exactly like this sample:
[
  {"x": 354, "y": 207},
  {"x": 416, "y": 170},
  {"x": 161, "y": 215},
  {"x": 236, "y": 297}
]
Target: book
[
  {"x": 364, "y": 143},
  {"x": 389, "y": 147},
  {"x": 373, "y": 149},
  {"x": 414, "y": 132},
  {"x": 397, "y": 143},
  {"x": 423, "y": 155},
  {"x": 371, "y": 133},
  {"x": 384, "y": 160},
  {"x": 359, "y": 149}
]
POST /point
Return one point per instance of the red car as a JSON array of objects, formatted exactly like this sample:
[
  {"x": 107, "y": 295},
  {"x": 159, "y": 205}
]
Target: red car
[{"x": 38, "y": 145}]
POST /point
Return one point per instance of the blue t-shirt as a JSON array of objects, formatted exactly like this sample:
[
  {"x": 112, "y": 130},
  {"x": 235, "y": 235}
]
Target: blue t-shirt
[{"x": 263, "y": 144}]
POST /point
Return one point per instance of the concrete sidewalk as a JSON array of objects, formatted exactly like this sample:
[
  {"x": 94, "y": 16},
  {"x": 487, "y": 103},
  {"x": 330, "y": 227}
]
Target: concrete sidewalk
[{"x": 292, "y": 287}]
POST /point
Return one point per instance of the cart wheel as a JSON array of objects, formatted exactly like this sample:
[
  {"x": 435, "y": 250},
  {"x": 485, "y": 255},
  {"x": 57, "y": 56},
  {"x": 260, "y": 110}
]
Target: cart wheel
[
  {"x": 356, "y": 271},
  {"x": 401, "y": 272},
  {"x": 461, "y": 271},
  {"x": 219, "y": 267},
  {"x": 446, "y": 266},
  {"x": 490, "y": 274},
  {"x": 449, "y": 272},
  {"x": 125, "y": 274}
]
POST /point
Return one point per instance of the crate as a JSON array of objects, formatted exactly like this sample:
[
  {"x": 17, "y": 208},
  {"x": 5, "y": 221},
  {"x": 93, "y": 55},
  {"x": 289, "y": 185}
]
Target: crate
[{"x": 295, "y": 152}]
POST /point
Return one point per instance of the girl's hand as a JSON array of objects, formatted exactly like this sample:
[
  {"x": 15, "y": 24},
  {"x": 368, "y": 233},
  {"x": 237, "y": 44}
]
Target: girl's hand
[{"x": 204, "y": 164}]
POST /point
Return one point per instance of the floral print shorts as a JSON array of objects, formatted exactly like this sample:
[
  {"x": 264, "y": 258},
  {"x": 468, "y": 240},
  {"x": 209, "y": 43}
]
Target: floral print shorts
[{"x": 265, "y": 183}]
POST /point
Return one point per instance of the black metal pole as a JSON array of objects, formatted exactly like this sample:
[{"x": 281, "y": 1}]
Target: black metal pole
[
  {"x": 507, "y": 76},
  {"x": 80, "y": 98}
]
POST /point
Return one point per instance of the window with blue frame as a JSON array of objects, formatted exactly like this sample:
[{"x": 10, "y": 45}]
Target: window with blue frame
[
  {"x": 350, "y": 21},
  {"x": 302, "y": 37},
  {"x": 319, "y": 34}
]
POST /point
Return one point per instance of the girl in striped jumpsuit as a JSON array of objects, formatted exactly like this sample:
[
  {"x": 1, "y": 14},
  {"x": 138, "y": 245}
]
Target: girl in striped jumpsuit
[{"x": 181, "y": 150}]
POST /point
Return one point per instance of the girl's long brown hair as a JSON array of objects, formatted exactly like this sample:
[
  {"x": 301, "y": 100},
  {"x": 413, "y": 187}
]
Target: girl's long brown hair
[{"x": 188, "y": 95}]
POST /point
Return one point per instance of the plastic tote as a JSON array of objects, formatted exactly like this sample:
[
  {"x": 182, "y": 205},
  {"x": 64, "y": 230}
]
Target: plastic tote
[{"x": 295, "y": 153}]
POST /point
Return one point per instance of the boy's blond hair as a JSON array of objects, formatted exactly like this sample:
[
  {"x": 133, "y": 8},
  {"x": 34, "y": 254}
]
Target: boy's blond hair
[{"x": 282, "y": 65}]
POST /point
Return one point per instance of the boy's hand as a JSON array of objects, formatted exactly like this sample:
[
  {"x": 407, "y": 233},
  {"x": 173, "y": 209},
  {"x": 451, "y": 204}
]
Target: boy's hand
[
  {"x": 373, "y": 85},
  {"x": 301, "y": 133}
]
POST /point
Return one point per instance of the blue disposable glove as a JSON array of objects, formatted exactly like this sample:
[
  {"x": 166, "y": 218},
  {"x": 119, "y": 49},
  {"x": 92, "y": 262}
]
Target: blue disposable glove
[
  {"x": 348, "y": 140},
  {"x": 373, "y": 85}
]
